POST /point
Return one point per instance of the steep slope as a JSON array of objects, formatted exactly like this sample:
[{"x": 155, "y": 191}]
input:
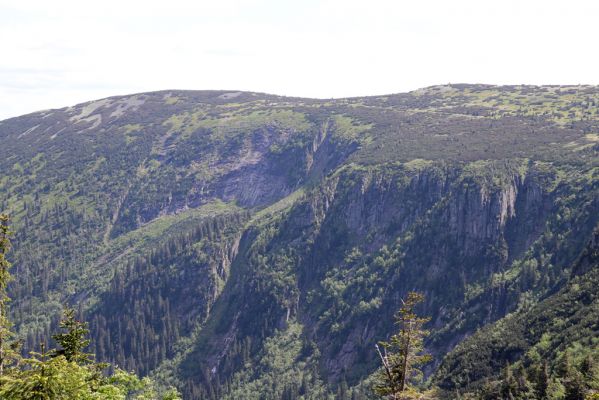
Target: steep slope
[
  {"x": 238, "y": 243},
  {"x": 563, "y": 323},
  {"x": 339, "y": 261}
]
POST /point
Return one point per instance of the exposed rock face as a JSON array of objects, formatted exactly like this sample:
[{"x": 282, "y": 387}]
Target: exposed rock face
[
  {"x": 589, "y": 258},
  {"x": 450, "y": 233},
  {"x": 469, "y": 224}
]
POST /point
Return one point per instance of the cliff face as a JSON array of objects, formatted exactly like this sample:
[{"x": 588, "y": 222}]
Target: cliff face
[
  {"x": 209, "y": 236},
  {"x": 345, "y": 254}
]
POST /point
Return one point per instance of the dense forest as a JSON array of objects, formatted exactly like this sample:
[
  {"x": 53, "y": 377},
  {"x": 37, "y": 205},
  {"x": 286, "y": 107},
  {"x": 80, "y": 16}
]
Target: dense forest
[
  {"x": 241, "y": 245},
  {"x": 65, "y": 372}
]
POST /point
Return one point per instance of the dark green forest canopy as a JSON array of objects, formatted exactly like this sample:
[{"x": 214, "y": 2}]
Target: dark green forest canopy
[{"x": 234, "y": 243}]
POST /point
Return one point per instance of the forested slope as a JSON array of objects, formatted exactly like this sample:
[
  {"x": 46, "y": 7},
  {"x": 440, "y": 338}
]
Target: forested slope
[
  {"x": 552, "y": 345},
  {"x": 236, "y": 243}
]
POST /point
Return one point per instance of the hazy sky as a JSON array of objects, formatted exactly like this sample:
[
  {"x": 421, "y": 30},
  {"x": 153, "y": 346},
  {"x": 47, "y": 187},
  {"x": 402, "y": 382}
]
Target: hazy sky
[{"x": 58, "y": 53}]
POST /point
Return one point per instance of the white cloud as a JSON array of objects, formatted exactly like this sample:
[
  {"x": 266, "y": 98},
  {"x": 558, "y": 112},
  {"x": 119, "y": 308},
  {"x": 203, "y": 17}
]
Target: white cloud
[{"x": 58, "y": 53}]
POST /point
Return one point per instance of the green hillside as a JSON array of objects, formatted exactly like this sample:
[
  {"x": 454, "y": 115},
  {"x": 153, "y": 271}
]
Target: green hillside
[{"x": 243, "y": 245}]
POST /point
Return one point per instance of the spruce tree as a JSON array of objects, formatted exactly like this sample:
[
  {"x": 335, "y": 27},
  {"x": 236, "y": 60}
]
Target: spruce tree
[
  {"x": 7, "y": 344},
  {"x": 508, "y": 384},
  {"x": 402, "y": 355},
  {"x": 74, "y": 340},
  {"x": 542, "y": 381}
]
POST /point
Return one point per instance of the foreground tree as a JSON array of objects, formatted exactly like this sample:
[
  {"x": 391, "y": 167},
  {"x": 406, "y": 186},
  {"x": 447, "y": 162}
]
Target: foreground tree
[
  {"x": 8, "y": 346},
  {"x": 56, "y": 378},
  {"x": 402, "y": 356}
]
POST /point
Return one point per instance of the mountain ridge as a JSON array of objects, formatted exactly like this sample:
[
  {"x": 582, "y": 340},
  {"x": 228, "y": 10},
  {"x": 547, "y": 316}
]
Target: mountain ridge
[
  {"x": 248, "y": 92},
  {"x": 215, "y": 239}
]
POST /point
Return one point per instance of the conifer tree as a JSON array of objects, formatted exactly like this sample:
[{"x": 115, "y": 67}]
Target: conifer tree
[
  {"x": 343, "y": 391},
  {"x": 590, "y": 371},
  {"x": 74, "y": 340},
  {"x": 7, "y": 344},
  {"x": 525, "y": 389},
  {"x": 542, "y": 382},
  {"x": 402, "y": 355},
  {"x": 508, "y": 384}
]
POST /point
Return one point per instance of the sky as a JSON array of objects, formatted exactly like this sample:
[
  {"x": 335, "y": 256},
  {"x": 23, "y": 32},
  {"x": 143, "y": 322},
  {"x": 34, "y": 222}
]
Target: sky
[{"x": 63, "y": 52}]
